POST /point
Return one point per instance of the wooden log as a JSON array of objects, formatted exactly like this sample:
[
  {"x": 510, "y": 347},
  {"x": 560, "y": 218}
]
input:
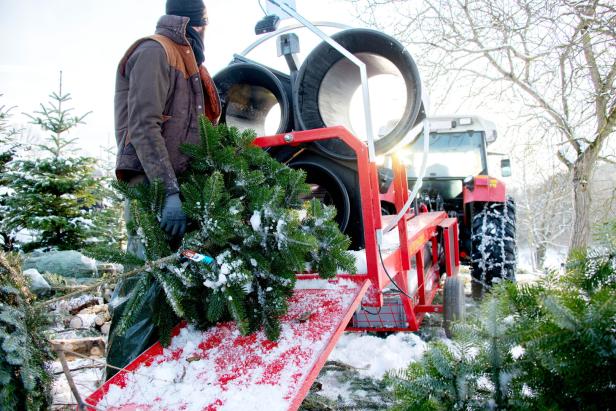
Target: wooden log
[
  {"x": 105, "y": 328},
  {"x": 89, "y": 303},
  {"x": 102, "y": 318},
  {"x": 82, "y": 321},
  {"x": 96, "y": 351},
  {"x": 97, "y": 309},
  {"x": 91, "y": 346},
  {"x": 76, "y": 322}
]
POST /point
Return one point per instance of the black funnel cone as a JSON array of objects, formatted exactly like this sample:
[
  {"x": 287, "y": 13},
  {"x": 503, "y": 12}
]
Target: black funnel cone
[{"x": 329, "y": 90}]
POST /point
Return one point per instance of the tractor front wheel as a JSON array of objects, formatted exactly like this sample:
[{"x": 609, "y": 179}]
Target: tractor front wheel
[{"x": 493, "y": 245}]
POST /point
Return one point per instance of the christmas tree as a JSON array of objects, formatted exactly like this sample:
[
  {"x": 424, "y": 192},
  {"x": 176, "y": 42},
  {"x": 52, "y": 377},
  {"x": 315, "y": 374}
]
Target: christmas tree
[
  {"x": 52, "y": 196},
  {"x": 8, "y": 147},
  {"x": 25, "y": 381},
  {"x": 548, "y": 345},
  {"x": 108, "y": 229},
  {"x": 247, "y": 214}
]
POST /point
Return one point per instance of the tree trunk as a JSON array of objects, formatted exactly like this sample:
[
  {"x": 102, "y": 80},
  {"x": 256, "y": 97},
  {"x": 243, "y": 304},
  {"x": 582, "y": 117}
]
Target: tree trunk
[
  {"x": 582, "y": 200},
  {"x": 540, "y": 252}
]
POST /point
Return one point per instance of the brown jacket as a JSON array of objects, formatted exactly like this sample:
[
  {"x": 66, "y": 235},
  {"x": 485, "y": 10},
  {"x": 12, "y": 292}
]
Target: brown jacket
[{"x": 159, "y": 97}]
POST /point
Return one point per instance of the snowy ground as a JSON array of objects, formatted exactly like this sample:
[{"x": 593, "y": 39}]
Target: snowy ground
[
  {"x": 87, "y": 374},
  {"x": 373, "y": 356},
  {"x": 554, "y": 259},
  {"x": 351, "y": 378}
]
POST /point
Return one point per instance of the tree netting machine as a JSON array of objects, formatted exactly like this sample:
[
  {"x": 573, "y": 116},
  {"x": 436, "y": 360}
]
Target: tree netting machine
[
  {"x": 394, "y": 294},
  {"x": 401, "y": 268}
]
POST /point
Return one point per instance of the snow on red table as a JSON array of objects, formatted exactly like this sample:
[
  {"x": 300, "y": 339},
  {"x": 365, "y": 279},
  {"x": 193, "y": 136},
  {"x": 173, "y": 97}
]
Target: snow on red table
[{"x": 219, "y": 369}]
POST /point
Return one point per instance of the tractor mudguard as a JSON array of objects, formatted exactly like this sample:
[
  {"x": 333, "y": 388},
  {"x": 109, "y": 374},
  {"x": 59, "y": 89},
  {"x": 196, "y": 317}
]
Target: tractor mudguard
[{"x": 485, "y": 189}]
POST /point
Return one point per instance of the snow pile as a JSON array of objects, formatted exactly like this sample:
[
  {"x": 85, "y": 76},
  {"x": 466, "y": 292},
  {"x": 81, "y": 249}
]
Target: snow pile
[
  {"x": 322, "y": 284},
  {"x": 374, "y": 356},
  {"x": 223, "y": 370},
  {"x": 391, "y": 240},
  {"x": 87, "y": 375},
  {"x": 361, "y": 265}
]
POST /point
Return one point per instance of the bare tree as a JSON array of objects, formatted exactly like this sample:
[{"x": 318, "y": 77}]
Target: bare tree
[
  {"x": 544, "y": 212},
  {"x": 556, "y": 57}
]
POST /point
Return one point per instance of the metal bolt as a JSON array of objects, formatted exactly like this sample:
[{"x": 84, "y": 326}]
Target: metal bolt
[{"x": 288, "y": 138}]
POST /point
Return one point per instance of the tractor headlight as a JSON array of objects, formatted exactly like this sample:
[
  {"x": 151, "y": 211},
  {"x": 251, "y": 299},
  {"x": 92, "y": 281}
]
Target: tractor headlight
[{"x": 469, "y": 182}]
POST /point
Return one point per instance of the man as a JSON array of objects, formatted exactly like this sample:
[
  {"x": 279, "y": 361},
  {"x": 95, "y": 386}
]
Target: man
[{"x": 161, "y": 90}]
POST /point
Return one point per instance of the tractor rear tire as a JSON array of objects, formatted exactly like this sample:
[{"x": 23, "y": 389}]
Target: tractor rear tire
[
  {"x": 493, "y": 245},
  {"x": 454, "y": 308}
]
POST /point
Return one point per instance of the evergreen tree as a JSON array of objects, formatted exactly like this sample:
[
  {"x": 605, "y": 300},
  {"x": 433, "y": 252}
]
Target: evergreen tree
[
  {"x": 566, "y": 325},
  {"x": 25, "y": 381},
  {"x": 53, "y": 195},
  {"x": 108, "y": 228},
  {"x": 8, "y": 146},
  {"x": 246, "y": 214},
  {"x": 547, "y": 345},
  {"x": 474, "y": 371}
]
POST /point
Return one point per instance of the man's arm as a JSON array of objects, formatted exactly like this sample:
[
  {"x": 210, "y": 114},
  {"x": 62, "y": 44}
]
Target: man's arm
[{"x": 148, "y": 73}]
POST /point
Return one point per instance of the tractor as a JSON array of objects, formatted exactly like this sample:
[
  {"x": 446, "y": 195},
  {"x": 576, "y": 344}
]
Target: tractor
[{"x": 457, "y": 181}]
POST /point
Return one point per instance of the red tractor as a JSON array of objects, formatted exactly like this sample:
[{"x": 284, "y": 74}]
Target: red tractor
[{"x": 457, "y": 181}]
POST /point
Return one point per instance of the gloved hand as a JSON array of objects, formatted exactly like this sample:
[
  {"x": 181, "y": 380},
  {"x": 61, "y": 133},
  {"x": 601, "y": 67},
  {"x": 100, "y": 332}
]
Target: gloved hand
[{"x": 173, "y": 219}]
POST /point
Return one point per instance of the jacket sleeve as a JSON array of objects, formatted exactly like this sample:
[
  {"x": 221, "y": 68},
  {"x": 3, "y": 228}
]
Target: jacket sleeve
[{"x": 148, "y": 73}]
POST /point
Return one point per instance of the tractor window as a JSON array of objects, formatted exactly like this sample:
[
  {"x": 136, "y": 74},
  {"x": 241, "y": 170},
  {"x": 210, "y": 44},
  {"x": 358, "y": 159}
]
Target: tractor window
[{"x": 451, "y": 155}]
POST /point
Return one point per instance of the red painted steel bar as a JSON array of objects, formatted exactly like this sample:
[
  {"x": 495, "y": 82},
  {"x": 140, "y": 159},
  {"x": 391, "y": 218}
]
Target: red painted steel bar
[{"x": 368, "y": 185}]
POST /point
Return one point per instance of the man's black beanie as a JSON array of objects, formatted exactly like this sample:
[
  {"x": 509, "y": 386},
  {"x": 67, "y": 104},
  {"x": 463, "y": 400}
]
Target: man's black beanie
[{"x": 193, "y": 9}]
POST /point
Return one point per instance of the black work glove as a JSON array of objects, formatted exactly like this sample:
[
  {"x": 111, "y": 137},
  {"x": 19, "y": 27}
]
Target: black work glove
[{"x": 173, "y": 219}]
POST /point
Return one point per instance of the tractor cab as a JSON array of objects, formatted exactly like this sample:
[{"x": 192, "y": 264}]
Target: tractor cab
[
  {"x": 458, "y": 151},
  {"x": 457, "y": 180}
]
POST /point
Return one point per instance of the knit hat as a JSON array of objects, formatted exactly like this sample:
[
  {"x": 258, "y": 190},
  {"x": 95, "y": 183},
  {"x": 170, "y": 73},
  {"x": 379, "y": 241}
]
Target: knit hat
[{"x": 193, "y": 9}]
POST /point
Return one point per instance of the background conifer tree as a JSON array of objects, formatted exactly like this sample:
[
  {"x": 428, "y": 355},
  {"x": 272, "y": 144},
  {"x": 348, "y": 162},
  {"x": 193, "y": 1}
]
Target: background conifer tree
[
  {"x": 53, "y": 195},
  {"x": 8, "y": 146},
  {"x": 25, "y": 382},
  {"x": 108, "y": 230}
]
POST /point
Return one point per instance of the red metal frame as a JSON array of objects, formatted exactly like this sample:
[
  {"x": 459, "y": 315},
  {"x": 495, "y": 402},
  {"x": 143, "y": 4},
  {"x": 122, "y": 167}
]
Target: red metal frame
[
  {"x": 415, "y": 232},
  {"x": 416, "y": 283}
]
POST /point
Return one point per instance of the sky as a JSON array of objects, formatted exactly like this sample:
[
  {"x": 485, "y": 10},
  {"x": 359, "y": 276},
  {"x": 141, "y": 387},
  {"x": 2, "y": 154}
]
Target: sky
[{"x": 86, "y": 39}]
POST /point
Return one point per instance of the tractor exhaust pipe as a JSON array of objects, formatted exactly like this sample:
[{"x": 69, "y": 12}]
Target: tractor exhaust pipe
[{"x": 253, "y": 97}]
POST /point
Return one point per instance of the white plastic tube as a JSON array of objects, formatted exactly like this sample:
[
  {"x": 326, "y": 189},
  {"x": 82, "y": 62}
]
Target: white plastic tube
[
  {"x": 419, "y": 182},
  {"x": 363, "y": 72}
]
